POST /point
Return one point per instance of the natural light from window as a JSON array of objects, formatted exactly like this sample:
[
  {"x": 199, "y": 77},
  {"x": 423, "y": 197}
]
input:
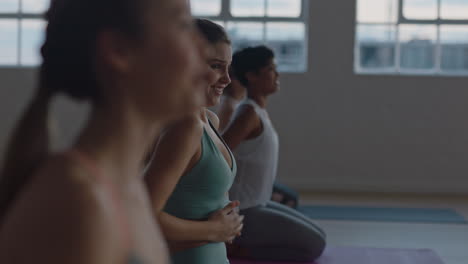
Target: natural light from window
[
  {"x": 423, "y": 37},
  {"x": 279, "y": 24}
]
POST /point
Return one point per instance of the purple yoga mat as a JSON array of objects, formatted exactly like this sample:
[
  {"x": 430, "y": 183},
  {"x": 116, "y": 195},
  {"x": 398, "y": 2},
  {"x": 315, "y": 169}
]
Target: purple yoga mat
[{"x": 355, "y": 255}]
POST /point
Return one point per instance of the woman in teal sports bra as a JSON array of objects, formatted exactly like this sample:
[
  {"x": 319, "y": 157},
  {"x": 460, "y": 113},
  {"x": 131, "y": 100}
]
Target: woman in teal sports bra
[
  {"x": 193, "y": 169},
  {"x": 136, "y": 62}
]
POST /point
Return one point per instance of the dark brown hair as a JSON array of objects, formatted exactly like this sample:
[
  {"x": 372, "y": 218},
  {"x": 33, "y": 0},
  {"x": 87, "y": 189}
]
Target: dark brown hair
[
  {"x": 250, "y": 59},
  {"x": 212, "y": 32}
]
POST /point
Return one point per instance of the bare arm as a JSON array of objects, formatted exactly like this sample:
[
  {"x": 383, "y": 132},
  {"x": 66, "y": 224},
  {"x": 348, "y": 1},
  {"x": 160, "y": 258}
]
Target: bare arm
[
  {"x": 246, "y": 125},
  {"x": 59, "y": 222},
  {"x": 175, "y": 154},
  {"x": 213, "y": 230}
]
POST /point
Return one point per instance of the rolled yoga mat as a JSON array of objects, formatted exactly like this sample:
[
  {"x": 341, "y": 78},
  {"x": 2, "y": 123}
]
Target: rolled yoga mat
[
  {"x": 382, "y": 214},
  {"x": 356, "y": 255}
]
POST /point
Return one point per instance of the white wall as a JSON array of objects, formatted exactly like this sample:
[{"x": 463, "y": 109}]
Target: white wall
[
  {"x": 378, "y": 133},
  {"x": 340, "y": 131},
  {"x": 16, "y": 88}
]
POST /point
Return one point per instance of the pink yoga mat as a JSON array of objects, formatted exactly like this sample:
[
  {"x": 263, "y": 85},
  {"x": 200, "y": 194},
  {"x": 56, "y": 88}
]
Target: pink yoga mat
[{"x": 354, "y": 255}]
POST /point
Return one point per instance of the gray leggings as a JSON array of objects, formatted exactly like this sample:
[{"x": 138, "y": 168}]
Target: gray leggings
[{"x": 279, "y": 233}]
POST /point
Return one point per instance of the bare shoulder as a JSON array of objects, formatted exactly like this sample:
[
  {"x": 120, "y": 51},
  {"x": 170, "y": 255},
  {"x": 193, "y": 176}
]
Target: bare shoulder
[
  {"x": 64, "y": 176},
  {"x": 246, "y": 114},
  {"x": 62, "y": 205},
  {"x": 61, "y": 177},
  {"x": 213, "y": 118},
  {"x": 246, "y": 124},
  {"x": 188, "y": 125},
  {"x": 178, "y": 145},
  {"x": 186, "y": 128}
]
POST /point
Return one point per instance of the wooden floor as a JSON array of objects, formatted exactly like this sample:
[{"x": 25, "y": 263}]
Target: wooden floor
[{"x": 448, "y": 240}]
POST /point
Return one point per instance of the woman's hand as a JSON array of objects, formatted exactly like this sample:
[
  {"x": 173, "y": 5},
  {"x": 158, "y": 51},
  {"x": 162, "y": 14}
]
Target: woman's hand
[{"x": 227, "y": 223}]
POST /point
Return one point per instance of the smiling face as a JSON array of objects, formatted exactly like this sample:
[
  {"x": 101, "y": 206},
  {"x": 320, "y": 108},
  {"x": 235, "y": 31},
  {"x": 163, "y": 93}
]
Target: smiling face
[{"x": 219, "y": 58}]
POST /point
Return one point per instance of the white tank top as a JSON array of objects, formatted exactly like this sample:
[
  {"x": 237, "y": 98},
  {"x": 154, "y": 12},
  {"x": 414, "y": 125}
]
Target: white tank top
[{"x": 257, "y": 162}]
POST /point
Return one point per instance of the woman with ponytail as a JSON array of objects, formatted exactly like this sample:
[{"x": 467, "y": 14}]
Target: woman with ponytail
[{"x": 136, "y": 63}]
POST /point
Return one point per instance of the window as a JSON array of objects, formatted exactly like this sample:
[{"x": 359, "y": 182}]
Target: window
[
  {"x": 424, "y": 37},
  {"x": 279, "y": 24},
  {"x": 21, "y": 31}
]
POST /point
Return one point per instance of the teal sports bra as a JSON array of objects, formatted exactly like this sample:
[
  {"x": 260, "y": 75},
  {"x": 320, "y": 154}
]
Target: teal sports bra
[{"x": 200, "y": 192}]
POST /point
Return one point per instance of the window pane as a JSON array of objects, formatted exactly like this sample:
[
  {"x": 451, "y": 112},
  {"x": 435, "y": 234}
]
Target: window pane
[
  {"x": 376, "y": 46},
  {"x": 454, "y": 45},
  {"x": 284, "y": 8},
  {"x": 9, "y": 6},
  {"x": 8, "y": 41},
  {"x": 35, "y": 6},
  {"x": 420, "y": 9},
  {"x": 32, "y": 37},
  {"x": 417, "y": 46},
  {"x": 285, "y": 31},
  {"x": 383, "y": 11},
  {"x": 246, "y": 8},
  {"x": 206, "y": 7},
  {"x": 221, "y": 23},
  {"x": 454, "y": 9},
  {"x": 245, "y": 34},
  {"x": 287, "y": 40}
]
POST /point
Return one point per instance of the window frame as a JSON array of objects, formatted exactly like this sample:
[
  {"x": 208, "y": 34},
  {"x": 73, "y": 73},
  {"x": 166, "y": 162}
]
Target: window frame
[
  {"x": 225, "y": 16},
  {"x": 402, "y": 20},
  {"x": 19, "y": 16}
]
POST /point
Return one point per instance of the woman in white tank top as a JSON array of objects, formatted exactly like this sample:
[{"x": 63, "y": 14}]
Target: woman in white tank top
[
  {"x": 234, "y": 94},
  {"x": 257, "y": 155},
  {"x": 272, "y": 231}
]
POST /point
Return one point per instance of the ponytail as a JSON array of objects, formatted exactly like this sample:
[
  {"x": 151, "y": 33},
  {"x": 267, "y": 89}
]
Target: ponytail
[
  {"x": 28, "y": 147},
  {"x": 68, "y": 67}
]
